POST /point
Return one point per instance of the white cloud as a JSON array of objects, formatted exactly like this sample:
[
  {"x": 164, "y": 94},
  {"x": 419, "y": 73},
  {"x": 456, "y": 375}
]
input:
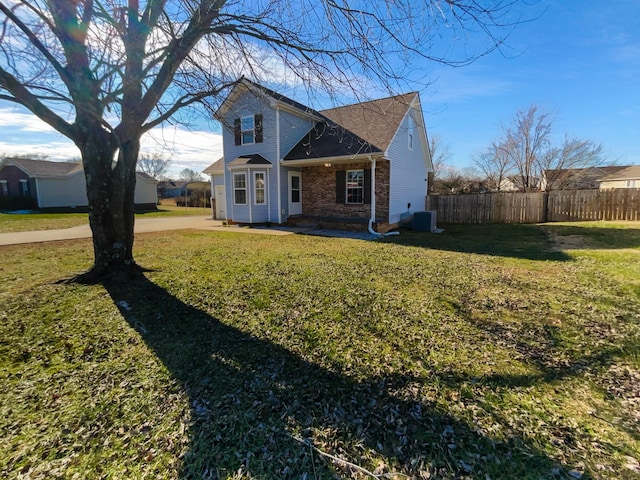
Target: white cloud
[
  {"x": 25, "y": 134},
  {"x": 9, "y": 117}
]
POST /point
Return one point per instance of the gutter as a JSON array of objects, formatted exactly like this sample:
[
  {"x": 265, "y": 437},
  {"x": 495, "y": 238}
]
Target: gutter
[{"x": 372, "y": 218}]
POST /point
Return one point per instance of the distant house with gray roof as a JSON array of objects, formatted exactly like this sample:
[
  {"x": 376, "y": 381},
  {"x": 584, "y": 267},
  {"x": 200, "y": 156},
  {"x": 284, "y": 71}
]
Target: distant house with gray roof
[
  {"x": 365, "y": 164},
  {"x": 628, "y": 177},
  {"x": 60, "y": 186}
]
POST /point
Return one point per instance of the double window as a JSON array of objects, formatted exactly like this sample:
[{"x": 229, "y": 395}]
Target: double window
[{"x": 259, "y": 188}]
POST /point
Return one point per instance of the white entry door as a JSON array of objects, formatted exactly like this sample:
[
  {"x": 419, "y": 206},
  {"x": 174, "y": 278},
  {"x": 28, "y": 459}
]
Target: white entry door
[
  {"x": 221, "y": 203},
  {"x": 295, "y": 193}
]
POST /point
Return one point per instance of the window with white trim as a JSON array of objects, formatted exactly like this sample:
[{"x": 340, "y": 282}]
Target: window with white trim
[
  {"x": 247, "y": 129},
  {"x": 355, "y": 186},
  {"x": 259, "y": 190},
  {"x": 631, "y": 184},
  {"x": 240, "y": 188},
  {"x": 4, "y": 188},
  {"x": 24, "y": 188},
  {"x": 410, "y": 131}
]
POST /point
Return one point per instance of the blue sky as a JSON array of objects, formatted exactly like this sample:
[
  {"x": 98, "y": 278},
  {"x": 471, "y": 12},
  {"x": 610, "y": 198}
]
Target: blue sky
[{"x": 579, "y": 60}]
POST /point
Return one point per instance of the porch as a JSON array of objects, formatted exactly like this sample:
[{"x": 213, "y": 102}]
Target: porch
[{"x": 351, "y": 224}]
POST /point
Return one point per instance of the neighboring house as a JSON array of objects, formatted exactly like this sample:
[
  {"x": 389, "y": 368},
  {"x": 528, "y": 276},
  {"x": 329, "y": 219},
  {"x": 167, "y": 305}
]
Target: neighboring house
[
  {"x": 514, "y": 183},
  {"x": 172, "y": 188},
  {"x": 359, "y": 165},
  {"x": 218, "y": 200},
  {"x": 59, "y": 185},
  {"x": 577, "y": 178},
  {"x": 628, "y": 177}
]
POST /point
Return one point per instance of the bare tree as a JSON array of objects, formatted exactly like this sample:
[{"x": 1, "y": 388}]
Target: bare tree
[
  {"x": 104, "y": 72},
  {"x": 155, "y": 165},
  {"x": 440, "y": 155},
  {"x": 495, "y": 165},
  {"x": 190, "y": 175},
  {"x": 566, "y": 165},
  {"x": 527, "y": 152},
  {"x": 525, "y": 143}
]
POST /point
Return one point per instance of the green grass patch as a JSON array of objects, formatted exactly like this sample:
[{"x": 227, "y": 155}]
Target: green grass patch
[{"x": 252, "y": 356}]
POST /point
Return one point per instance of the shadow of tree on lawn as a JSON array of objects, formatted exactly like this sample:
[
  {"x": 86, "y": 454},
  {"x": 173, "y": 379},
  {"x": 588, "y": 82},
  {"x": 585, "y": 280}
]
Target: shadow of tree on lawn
[{"x": 262, "y": 411}]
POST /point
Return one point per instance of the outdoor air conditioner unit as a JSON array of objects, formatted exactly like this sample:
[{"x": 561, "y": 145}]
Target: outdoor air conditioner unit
[{"x": 424, "y": 221}]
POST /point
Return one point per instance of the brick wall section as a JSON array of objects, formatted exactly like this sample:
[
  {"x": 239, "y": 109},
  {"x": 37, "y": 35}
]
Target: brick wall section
[{"x": 319, "y": 192}]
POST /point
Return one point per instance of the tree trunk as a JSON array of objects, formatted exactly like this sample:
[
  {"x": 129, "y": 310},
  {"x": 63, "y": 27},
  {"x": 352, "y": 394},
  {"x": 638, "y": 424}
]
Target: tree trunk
[{"x": 110, "y": 192}]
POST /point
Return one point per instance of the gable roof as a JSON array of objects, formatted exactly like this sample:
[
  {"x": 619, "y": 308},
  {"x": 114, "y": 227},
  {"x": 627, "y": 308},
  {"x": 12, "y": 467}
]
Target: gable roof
[
  {"x": 625, "y": 173},
  {"x": 361, "y": 128},
  {"x": 216, "y": 167},
  {"x": 50, "y": 169},
  {"x": 579, "y": 178},
  {"x": 44, "y": 168},
  {"x": 244, "y": 84},
  {"x": 375, "y": 121}
]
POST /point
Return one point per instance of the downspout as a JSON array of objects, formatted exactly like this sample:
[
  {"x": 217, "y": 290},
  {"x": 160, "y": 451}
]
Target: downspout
[
  {"x": 373, "y": 203},
  {"x": 278, "y": 167},
  {"x": 268, "y": 194},
  {"x": 249, "y": 185}
]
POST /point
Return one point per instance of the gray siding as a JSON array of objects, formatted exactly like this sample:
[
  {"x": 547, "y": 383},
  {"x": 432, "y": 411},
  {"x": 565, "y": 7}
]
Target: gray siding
[
  {"x": 292, "y": 129},
  {"x": 408, "y": 182}
]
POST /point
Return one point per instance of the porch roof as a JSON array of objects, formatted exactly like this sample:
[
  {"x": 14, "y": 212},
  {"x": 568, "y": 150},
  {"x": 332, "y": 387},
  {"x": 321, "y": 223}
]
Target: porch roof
[{"x": 248, "y": 160}]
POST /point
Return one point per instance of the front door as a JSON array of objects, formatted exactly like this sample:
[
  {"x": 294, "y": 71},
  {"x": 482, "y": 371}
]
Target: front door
[
  {"x": 295, "y": 193},
  {"x": 221, "y": 203}
]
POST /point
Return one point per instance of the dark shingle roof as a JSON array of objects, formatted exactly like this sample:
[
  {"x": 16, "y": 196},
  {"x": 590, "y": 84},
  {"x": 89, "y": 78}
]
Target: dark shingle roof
[
  {"x": 255, "y": 159},
  {"x": 362, "y": 128}
]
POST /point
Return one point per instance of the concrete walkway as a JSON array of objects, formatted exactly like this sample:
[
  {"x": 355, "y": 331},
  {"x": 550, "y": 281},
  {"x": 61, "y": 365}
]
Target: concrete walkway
[{"x": 142, "y": 225}]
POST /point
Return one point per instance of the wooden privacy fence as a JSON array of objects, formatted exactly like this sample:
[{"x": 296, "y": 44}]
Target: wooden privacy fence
[{"x": 555, "y": 206}]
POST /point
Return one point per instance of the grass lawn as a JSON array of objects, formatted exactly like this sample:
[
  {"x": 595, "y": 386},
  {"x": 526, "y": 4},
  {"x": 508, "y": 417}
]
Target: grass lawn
[
  {"x": 11, "y": 222},
  {"x": 498, "y": 351}
]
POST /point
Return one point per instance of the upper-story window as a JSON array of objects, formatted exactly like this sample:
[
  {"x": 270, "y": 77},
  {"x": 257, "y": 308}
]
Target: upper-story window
[
  {"x": 248, "y": 129},
  {"x": 411, "y": 131}
]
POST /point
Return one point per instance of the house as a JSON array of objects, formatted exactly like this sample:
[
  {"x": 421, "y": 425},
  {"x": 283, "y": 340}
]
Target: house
[
  {"x": 577, "y": 178},
  {"x": 218, "y": 199},
  {"x": 172, "y": 188},
  {"x": 515, "y": 183},
  {"x": 59, "y": 186},
  {"x": 626, "y": 177},
  {"x": 359, "y": 166}
]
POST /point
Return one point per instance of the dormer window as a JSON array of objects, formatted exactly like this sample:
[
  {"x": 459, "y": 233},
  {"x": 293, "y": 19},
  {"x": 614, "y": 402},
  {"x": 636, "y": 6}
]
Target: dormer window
[{"x": 248, "y": 130}]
